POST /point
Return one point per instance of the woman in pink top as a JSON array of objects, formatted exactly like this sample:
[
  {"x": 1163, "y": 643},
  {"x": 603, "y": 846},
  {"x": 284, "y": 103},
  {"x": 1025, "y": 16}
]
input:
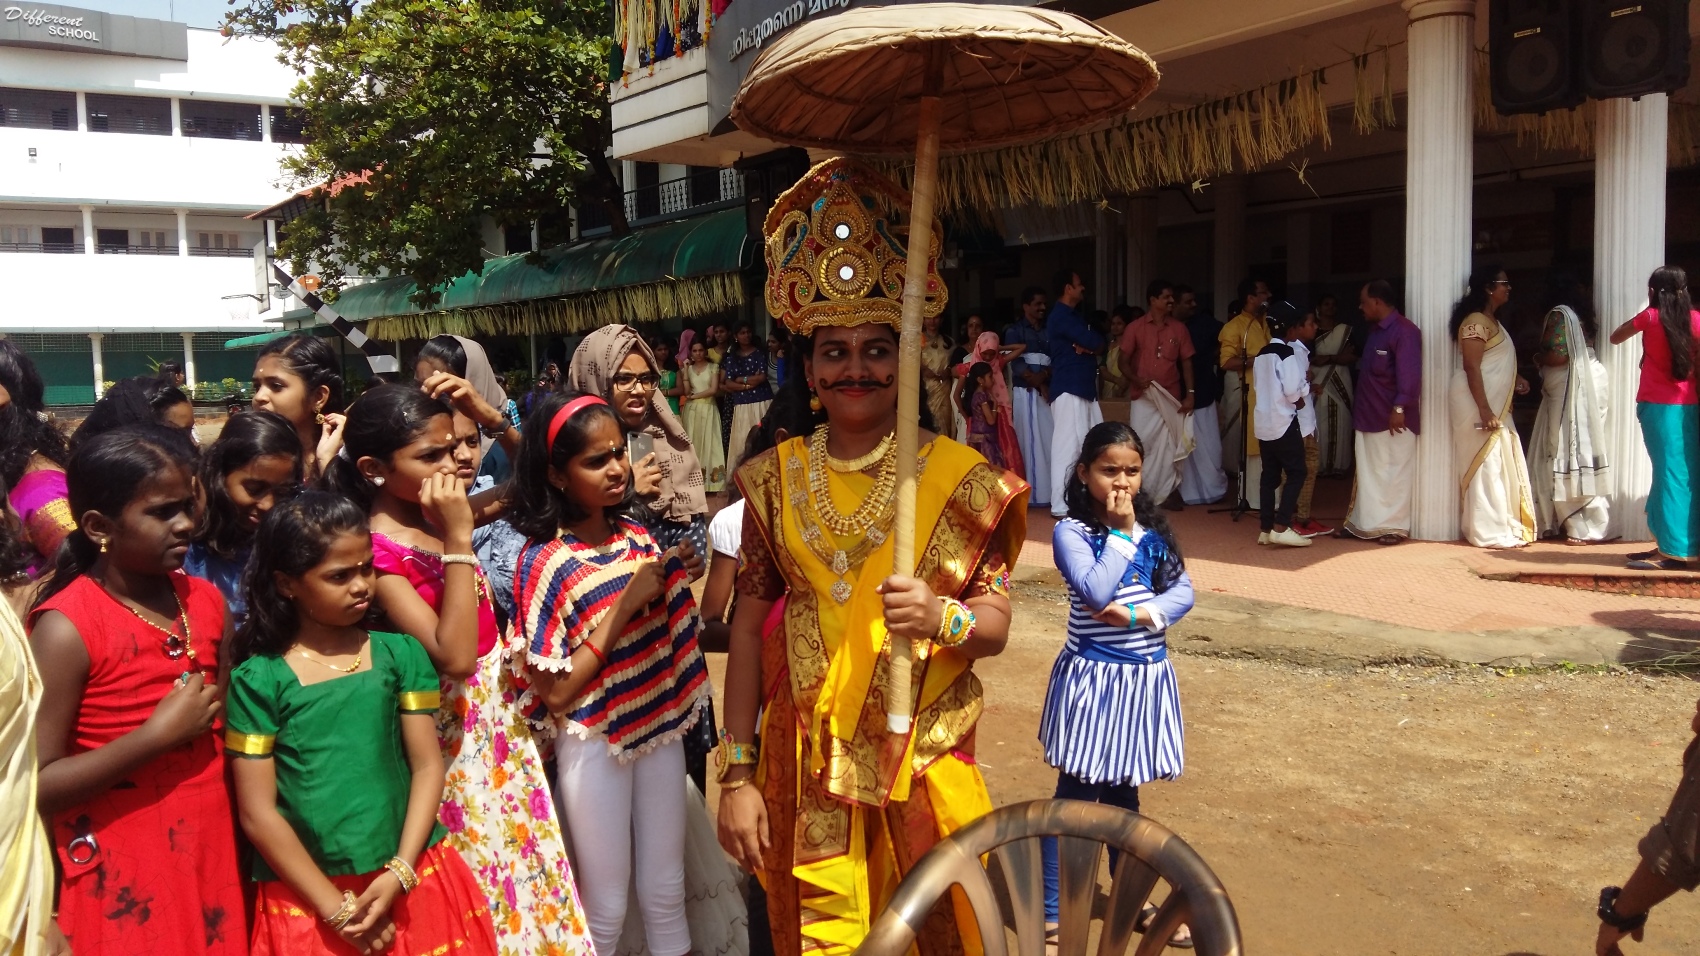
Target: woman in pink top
[{"x": 1666, "y": 405}]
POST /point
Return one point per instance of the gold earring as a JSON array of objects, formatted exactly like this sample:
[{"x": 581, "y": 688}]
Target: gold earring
[
  {"x": 102, "y": 544},
  {"x": 318, "y": 418},
  {"x": 814, "y": 401}
]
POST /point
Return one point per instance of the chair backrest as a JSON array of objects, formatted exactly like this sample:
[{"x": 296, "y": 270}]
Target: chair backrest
[{"x": 1011, "y": 835}]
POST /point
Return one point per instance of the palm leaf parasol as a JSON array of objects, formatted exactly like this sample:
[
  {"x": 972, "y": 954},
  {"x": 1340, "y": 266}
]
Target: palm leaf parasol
[{"x": 922, "y": 78}]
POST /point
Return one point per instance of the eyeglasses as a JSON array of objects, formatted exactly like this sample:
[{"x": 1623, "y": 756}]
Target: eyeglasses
[{"x": 627, "y": 382}]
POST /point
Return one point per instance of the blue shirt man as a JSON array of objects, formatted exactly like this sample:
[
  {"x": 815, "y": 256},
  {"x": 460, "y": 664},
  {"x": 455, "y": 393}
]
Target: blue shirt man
[{"x": 1072, "y": 372}]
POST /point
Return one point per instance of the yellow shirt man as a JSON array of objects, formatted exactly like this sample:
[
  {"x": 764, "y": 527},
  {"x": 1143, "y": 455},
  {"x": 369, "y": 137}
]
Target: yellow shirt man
[{"x": 1241, "y": 338}]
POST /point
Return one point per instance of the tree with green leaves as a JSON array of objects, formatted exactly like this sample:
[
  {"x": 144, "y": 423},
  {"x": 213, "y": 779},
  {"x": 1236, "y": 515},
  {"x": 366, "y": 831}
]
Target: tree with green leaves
[{"x": 423, "y": 118}]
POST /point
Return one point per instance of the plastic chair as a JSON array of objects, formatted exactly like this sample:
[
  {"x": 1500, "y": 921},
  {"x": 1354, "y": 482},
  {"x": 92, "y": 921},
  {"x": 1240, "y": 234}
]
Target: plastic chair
[{"x": 1011, "y": 835}]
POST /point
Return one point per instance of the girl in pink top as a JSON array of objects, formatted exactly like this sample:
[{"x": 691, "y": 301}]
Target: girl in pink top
[{"x": 1666, "y": 406}]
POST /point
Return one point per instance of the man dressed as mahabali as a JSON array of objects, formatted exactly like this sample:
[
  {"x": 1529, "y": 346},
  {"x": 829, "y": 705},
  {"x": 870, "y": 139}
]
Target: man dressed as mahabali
[{"x": 834, "y": 809}]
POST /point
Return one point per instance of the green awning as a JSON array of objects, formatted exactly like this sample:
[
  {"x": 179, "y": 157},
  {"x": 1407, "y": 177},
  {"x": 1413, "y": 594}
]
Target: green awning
[
  {"x": 669, "y": 254},
  {"x": 255, "y": 341}
]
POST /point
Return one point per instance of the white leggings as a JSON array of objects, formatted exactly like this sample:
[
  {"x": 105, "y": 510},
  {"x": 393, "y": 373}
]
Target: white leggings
[{"x": 603, "y": 799}]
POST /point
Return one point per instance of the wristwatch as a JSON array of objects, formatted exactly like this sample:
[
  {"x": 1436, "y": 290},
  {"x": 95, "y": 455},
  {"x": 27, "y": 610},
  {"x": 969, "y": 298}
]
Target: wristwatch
[
  {"x": 494, "y": 433},
  {"x": 1608, "y": 912},
  {"x": 1398, "y": 409}
]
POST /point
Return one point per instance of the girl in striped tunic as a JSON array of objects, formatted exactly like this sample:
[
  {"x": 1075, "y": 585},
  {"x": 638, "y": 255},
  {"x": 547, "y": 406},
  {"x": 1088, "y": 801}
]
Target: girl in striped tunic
[
  {"x": 611, "y": 648},
  {"x": 1112, "y": 717}
]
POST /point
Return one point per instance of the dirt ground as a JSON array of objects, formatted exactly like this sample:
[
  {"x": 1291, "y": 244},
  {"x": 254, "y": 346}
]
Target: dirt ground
[{"x": 1400, "y": 811}]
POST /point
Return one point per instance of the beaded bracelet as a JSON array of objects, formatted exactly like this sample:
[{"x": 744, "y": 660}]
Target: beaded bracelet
[{"x": 470, "y": 560}]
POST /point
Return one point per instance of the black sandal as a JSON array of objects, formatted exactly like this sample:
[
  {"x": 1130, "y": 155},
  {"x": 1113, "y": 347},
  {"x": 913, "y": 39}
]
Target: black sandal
[{"x": 1642, "y": 555}]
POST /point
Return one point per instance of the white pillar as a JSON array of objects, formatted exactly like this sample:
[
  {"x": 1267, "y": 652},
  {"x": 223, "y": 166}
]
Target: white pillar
[
  {"x": 88, "y": 229},
  {"x": 82, "y": 112},
  {"x": 271, "y": 235},
  {"x": 182, "y": 232},
  {"x": 1141, "y": 223},
  {"x": 1438, "y": 170},
  {"x": 1228, "y": 244},
  {"x": 99, "y": 364},
  {"x": 176, "y": 116},
  {"x": 265, "y": 122},
  {"x": 189, "y": 361},
  {"x": 1629, "y": 243}
]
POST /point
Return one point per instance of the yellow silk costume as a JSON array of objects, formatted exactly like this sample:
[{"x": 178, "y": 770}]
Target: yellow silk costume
[
  {"x": 26, "y": 855},
  {"x": 851, "y": 806}
]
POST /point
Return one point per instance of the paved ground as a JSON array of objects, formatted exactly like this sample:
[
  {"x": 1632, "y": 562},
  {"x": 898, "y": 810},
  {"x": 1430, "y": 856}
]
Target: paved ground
[{"x": 1432, "y": 599}]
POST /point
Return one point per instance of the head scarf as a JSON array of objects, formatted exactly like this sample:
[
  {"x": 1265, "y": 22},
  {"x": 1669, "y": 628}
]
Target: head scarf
[
  {"x": 592, "y": 370},
  {"x": 685, "y": 339},
  {"x": 990, "y": 341},
  {"x": 482, "y": 377}
]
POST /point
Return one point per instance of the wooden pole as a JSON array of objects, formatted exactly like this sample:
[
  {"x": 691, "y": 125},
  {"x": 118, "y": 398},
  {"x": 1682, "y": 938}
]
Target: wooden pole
[{"x": 899, "y": 695}]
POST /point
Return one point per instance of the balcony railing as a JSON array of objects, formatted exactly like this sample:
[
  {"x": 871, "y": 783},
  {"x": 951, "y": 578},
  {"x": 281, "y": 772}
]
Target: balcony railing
[
  {"x": 58, "y": 247},
  {"x": 673, "y": 199},
  {"x": 229, "y": 252},
  {"x": 115, "y": 250}
]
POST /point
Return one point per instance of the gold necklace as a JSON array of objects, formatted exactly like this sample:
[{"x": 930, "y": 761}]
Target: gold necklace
[
  {"x": 175, "y": 647},
  {"x": 852, "y": 465},
  {"x": 878, "y": 501},
  {"x": 323, "y": 663},
  {"x": 841, "y": 562}
]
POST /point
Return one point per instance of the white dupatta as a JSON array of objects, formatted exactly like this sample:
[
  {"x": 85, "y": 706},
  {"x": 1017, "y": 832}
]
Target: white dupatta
[{"x": 1579, "y": 466}]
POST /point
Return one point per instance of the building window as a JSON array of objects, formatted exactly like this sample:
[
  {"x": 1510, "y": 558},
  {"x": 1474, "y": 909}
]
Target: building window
[
  {"x": 219, "y": 245},
  {"x": 516, "y": 238},
  {"x": 112, "y": 240},
  {"x": 1352, "y": 242},
  {"x": 37, "y": 109},
  {"x": 58, "y": 240},
  {"x": 148, "y": 115},
  {"x": 289, "y": 124},
  {"x": 210, "y": 120}
]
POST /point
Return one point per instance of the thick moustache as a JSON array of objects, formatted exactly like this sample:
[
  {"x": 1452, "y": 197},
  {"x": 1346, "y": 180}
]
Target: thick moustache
[{"x": 846, "y": 384}]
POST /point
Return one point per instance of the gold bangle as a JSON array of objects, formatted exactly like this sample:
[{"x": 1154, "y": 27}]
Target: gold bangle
[
  {"x": 734, "y": 754},
  {"x": 956, "y": 624},
  {"x": 404, "y": 873},
  {"x": 727, "y": 786},
  {"x": 340, "y": 919}
]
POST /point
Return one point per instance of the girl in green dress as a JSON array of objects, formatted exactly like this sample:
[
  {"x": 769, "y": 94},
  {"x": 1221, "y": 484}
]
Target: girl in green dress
[{"x": 340, "y": 776}]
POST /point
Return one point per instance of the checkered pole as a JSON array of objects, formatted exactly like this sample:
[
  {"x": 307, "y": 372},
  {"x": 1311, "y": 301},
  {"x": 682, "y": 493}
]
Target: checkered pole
[{"x": 382, "y": 362}]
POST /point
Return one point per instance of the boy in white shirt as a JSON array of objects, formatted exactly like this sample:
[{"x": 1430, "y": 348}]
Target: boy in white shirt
[{"x": 1281, "y": 373}]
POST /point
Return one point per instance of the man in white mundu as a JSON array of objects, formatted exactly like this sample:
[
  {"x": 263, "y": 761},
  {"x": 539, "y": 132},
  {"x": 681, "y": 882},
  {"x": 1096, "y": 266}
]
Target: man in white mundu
[
  {"x": 1029, "y": 396},
  {"x": 1074, "y": 349},
  {"x": 1385, "y": 415},
  {"x": 1156, "y": 355},
  {"x": 1241, "y": 338}
]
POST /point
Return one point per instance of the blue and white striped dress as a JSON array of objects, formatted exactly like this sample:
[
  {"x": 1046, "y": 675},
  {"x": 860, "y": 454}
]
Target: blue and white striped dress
[{"x": 1113, "y": 711}]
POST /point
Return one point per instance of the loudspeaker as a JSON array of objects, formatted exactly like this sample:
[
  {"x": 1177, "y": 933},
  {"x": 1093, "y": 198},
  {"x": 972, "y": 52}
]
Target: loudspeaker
[
  {"x": 1631, "y": 47},
  {"x": 1532, "y": 56}
]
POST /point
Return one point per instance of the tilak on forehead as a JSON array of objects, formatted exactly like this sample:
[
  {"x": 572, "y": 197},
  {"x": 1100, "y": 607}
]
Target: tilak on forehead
[{"x": 836, "y": 251}]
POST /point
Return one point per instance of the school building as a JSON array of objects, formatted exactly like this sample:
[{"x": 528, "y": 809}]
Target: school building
[{"x": 130, "y": 151}]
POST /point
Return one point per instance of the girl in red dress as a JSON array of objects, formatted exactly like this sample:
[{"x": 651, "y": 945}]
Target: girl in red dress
[{"x": 132, "y": 775}]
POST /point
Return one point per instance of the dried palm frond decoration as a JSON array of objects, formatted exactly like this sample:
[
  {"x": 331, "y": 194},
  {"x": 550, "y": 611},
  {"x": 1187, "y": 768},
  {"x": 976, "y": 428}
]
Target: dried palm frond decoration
[
  {"x": 651, "y": 302},
  {"x": 1241, "y": 132},
  {"x": 1245, "y": 130}
]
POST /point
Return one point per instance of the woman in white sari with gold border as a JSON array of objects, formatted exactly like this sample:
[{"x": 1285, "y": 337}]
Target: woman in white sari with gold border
[
  {"x": 1496, "y": 504},
  {"x": 1568, "y": 469}
]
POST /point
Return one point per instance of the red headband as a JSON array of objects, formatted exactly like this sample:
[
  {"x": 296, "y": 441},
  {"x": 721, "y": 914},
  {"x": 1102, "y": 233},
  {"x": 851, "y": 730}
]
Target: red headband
[{"x": 568, "y": 411}]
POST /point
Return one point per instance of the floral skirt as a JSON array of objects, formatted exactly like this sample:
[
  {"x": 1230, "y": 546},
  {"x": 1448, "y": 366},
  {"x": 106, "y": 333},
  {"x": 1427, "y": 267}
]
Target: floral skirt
[
  {"x": 445, "y": 913},
  {"x": 500, "y": 819}
]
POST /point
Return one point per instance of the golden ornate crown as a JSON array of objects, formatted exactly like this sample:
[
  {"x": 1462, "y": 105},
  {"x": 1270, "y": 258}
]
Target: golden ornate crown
[{"x": 836, "y": 253}]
